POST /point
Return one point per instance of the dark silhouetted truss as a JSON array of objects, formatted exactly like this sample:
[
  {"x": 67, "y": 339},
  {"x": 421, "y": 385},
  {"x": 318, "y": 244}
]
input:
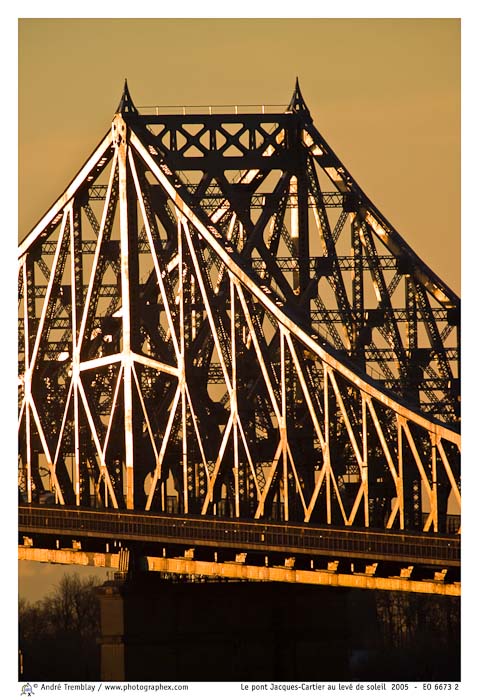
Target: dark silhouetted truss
[{"x": 215, "y": 319}]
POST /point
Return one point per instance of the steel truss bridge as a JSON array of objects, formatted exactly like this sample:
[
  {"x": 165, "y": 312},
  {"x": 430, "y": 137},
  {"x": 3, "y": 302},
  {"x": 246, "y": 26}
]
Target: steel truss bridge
[{"x": 218, "y": 333}]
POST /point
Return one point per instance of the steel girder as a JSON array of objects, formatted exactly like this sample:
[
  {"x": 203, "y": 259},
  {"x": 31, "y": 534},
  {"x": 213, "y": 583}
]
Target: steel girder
[{"x": 191, "y": 339}]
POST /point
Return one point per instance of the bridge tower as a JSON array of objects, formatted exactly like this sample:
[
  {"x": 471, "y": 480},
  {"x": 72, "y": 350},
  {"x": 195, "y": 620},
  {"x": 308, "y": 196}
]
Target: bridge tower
[{"x": 214, "y": 318}]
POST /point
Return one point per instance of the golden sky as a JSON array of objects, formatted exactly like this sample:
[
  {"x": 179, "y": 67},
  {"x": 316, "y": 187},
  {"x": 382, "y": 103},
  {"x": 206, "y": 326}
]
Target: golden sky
[{"x": 384, "y": 93}]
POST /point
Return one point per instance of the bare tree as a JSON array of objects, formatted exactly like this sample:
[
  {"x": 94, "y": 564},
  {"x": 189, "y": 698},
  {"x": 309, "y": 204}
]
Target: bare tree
[
  {"x": 58, "y": 634},
  {"x": 74, "y": 605}
]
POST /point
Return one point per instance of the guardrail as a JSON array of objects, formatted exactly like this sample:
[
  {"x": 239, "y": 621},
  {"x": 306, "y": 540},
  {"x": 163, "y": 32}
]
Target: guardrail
[
  {"x": 157, "y": 110},
  {"x": 428, "y": 549}
]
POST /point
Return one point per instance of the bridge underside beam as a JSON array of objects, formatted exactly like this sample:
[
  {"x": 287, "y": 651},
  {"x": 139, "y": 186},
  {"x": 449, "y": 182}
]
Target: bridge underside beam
[{"x": 185, "y": 566}]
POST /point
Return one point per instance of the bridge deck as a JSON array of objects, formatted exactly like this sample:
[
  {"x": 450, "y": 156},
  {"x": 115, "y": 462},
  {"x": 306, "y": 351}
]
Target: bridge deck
[{"x": 242, "y": 535}]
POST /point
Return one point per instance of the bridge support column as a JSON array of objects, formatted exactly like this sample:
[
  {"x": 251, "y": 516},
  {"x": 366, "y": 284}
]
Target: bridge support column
[
  {"x": 156, "y": 629},
  {"x": 112, "y": 622}
]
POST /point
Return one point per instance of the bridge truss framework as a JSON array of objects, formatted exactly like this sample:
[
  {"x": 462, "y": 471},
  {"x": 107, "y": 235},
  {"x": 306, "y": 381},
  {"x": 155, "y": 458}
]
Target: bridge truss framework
[{"x": 214, "y": 319}]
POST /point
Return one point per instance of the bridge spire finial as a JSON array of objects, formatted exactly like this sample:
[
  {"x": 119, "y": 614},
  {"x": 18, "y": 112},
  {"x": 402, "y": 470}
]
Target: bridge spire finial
[
  {"x": 126, "y": 105},
  {"x": 297, "y": 103}
]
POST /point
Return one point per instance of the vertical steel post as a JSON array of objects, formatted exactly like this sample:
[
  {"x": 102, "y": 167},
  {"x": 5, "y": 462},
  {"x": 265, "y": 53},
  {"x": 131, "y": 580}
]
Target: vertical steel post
[
  {"x": 29, "y": 440},
  {"x": 75, "y": 364},
  {"x": 293, "y": 199},
  {"x": 27, "y": 380},
  {"x": 360, "y": 338},
  {"x": 411, "y": 314},
  {"x": 234, "y": 399},
  {"x": 283, "y": 428},
  {"x": 433, "y": 492},
  {"x": 119, "y": 136},
  {"x": 365, "y": 465},
  {"x": 77, "y": 300},
  {"x": 328, "y": 443},
  {"x": 181, "y": 363},
  {"x": 401, "y": 474}
]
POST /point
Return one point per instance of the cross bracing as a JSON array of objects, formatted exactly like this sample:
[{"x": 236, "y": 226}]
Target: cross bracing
[{"x": 214, "y": 311}]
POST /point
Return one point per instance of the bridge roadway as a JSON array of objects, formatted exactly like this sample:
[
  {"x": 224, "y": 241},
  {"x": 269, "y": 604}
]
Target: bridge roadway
[{"x": 225, "y": 544}]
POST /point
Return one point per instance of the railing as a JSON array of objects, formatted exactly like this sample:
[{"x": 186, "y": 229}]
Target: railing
[
  {"x": 211, "y": 109},
  {"x": 428, "y": 549}
]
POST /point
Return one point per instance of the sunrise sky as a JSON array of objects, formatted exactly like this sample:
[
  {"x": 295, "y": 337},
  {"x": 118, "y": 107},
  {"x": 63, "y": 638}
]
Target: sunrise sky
[{"x": 384, "y": 93}]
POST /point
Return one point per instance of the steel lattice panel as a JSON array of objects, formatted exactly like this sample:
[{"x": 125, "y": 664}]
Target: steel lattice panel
[{"x": 214, "y": 315}]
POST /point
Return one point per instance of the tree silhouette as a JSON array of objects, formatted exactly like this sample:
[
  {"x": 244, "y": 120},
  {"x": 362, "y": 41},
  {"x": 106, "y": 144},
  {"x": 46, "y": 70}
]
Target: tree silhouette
[{"x": 58, "y": 635}]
